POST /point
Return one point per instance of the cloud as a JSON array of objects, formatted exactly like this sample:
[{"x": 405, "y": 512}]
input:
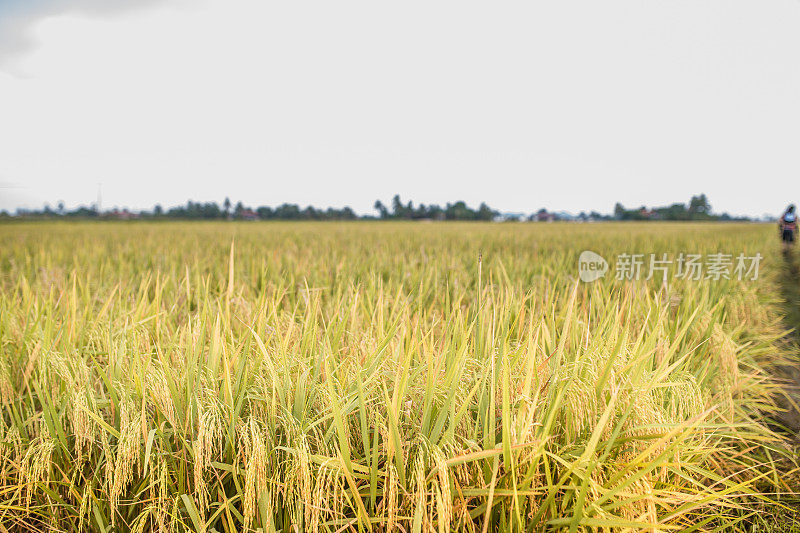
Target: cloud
[{"x": 18, "y": 19}]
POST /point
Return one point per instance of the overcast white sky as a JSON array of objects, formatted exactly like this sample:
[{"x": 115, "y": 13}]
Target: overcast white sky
[{"x": 564, "y": 104}]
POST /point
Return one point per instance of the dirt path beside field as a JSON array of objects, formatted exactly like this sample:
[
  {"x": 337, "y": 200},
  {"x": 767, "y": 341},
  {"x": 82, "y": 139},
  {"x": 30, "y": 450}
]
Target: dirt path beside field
[{"x": 789, "y": 283}]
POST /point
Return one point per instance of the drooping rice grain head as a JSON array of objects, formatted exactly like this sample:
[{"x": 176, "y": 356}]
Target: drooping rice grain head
[
  {"x": 200, "y": 487},
  {"x": 319, "y": 501},
  {"x": 305, "y": 478},
  {"x": 662, "y": 348},
  {"x": 724, "y": 349},
  {"x": 36, "y": 464},
  {"x": 127, "y": 456},
  {"x": 83, "y": 510},
  {"x": 580, "y": 397},
  {"x": 640, "y": 509},
  {"x": 703, "y": 323},
  {"x": 390, "y": 496},
  {"x": 209, "y": 436},
  {"x": 646, "y": 417},
  {"x": 445, "y": 504},
  {"x": 683, "y": 399},
  {"x": 162, "y": 511},
  {"x": 255, "y": 471},
  {"x": 142, "y": 520},
  {"x": 175, "y": 522},
  {"x": 10, "y": 453},
  {"x": 420, "y": 503},
  {"x": 6, "y": 383},
  {"x": 158, "y": 391},
  {"x": 83, "y": 425},
  {"x": 108, "y": 461}
]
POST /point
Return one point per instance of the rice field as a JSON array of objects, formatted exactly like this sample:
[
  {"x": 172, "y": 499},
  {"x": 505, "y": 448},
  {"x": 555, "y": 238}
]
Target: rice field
[{"x": 331, "y": 377}]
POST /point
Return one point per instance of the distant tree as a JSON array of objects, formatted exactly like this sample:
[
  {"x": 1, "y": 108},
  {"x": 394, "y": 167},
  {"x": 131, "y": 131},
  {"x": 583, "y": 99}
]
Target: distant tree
[
  {"x": 699, "y": 208},
  {"x": 381, "y": 209},
  {"x": 458, "y": 211},
  {"x": 673, "y": 212},
  {"x": 699, "y": 205},
  {"x": 84, "y": 212},
  {"x": 398, "y": 209},
  {"x": 485, "y": 212},
  {"x": 287, "y": 211}
]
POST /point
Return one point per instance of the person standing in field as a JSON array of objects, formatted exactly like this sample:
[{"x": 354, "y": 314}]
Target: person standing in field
[{"x": 787, "y": 226}]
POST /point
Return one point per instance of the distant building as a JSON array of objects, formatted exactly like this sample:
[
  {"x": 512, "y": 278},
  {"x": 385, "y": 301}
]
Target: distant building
[
  {"x": 649, "y": 214},
  {"x": 249, "y": 214},
  {"x": 543, "y": 216},
  {"x": 123, "y": 214},
  {"x": 509, "y": 217}
]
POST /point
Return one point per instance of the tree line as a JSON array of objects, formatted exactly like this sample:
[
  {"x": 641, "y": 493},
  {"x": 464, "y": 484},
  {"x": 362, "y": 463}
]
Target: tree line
[
  {"x": 228, "y": 211},
  {"x": 452, "y": 211},
  {"x": 698, "y": 208}
]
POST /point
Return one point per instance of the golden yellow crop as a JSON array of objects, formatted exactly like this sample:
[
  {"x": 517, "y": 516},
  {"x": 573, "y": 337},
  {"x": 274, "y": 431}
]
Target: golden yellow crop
[{"x": 379, "y": 376}]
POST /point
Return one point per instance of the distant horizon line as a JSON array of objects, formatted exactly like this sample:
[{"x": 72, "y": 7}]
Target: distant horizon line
[{"x": 698, "y": 208}]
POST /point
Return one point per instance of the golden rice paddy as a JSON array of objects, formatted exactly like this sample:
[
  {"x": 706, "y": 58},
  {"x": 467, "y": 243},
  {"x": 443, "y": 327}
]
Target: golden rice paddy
[{"x": 387, "y": 377}]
